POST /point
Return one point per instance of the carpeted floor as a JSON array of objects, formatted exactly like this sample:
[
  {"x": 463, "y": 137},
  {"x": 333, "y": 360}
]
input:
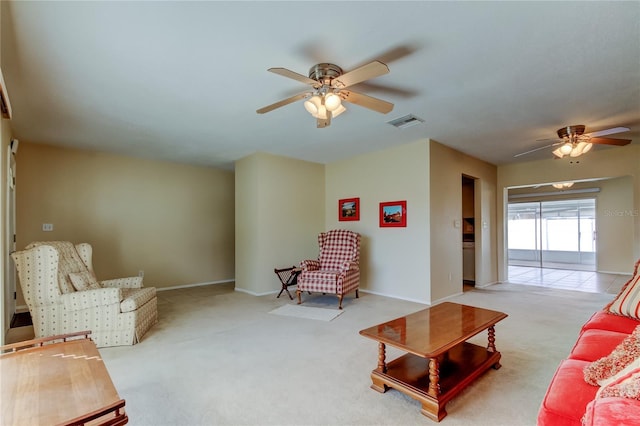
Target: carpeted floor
[{"x": 217, "y": 357}]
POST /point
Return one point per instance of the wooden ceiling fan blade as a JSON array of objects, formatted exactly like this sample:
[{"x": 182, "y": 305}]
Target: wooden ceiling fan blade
[
  {"x": 606, "y": 132},
  {"x": 294, "y": 75},
  {"x": 366, "y": 101},
  {"x": 283, "y": 102},
  {"x": 610, "y": 141},
  {"x": 365, "y": 72}
]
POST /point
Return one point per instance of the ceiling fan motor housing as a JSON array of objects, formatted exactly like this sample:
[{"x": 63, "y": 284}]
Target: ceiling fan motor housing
[
  {"x": 567, "y": 132},
  {"x": 324, "y": 72}
]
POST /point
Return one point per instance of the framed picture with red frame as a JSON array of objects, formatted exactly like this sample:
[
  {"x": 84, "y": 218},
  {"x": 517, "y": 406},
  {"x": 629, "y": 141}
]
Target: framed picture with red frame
[
  {"x": 393, "y": 214},
  {"x": 349, "y": 209}
]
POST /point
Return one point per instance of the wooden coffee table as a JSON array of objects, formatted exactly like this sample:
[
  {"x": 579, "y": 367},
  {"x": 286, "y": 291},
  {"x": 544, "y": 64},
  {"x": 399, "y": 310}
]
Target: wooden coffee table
[
  {"x": 439, "y": 362},
  {"x": 58, "y": 380}
]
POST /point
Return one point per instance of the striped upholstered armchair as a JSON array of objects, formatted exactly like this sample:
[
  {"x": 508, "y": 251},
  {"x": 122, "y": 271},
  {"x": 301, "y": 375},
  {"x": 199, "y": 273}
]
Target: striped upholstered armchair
[
  {"x": 64, "y": 296},
  {"x": 337, "y": 269}
]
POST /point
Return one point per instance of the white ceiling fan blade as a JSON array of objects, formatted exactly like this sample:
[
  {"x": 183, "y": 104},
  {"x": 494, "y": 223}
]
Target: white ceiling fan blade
[
  {"x": 535, "y": 149},
  {"x": 608, "y": 132},
  {"x": 283, "y": 102},
  {"x": 295, "y": 76},
  {"x": 366, "y": 101},
  {"x": 365, "y": 72}
]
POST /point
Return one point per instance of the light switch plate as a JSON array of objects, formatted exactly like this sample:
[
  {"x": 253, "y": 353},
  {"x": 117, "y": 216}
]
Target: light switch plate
[{"x": 47, "y": 227}]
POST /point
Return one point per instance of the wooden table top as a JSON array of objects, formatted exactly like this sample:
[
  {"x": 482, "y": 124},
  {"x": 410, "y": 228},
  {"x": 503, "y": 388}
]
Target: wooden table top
[
  {"x": 54, "y": 383},
  {"x": 433, "y": 331}
]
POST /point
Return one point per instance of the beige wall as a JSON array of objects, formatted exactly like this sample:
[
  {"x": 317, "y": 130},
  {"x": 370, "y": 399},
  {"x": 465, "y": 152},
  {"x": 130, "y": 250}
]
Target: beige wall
[
  {"x": 173, "y": 221},
  {"x": 446, "y": 169},
  {"x": 394, "y": 261},
  {"x": 607, "y": 163},
  {"x": 279, "y": 213}
]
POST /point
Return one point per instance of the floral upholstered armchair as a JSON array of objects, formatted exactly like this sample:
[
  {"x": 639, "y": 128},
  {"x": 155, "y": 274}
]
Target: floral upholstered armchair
[
  {"x": 63, "y": 295},
  {"x": 337, "y": 269}
]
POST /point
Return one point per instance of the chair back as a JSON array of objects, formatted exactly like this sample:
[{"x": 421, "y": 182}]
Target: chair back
[
  {"x": 338, "y": 247},
  {"x": 69, "y": 262},
  {"x": 38, "y": 275}
]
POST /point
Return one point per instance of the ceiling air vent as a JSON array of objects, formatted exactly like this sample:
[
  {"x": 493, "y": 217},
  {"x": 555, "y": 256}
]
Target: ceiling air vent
[{"x": 406, "y": 121}]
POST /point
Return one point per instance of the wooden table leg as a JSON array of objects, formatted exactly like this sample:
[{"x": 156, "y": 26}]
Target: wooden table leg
[
  {"x": 492, "y": 345},
  {"x": 434, "y": 378},
  {"x": 378, "y": 385}
]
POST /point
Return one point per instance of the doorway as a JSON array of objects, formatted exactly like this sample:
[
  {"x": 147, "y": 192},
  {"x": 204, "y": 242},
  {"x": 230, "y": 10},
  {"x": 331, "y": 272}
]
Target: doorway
[
  {"x": 9, "y": 307},
  {"x": 468, "y": 232},
  {"x": 553, "y": 234}
]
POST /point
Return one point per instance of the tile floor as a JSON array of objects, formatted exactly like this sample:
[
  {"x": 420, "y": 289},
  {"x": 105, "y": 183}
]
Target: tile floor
[{"x": 588, "y": 281}]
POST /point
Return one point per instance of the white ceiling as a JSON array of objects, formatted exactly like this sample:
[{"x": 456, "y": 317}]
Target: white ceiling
[{"x": 181, "y": 81}]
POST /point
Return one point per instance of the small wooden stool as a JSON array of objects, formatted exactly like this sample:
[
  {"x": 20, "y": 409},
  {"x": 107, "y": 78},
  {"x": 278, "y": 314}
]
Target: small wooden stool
[{"x": 287, "y": 276}]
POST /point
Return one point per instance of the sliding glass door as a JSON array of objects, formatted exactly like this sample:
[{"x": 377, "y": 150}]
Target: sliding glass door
[{"x": 553, "y": 234}]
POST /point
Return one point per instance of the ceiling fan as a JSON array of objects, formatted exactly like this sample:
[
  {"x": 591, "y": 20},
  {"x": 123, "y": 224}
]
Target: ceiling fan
[
  {"x": 573, "y": 141},
  {"x": 328, "y": 90}
]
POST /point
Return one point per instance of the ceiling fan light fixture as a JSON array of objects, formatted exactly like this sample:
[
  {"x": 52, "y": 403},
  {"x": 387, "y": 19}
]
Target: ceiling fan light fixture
[
  {"x": 332, "y": 101},
  {"x": 563, "y": 185},
  {"x": 587, "y": 148},
  {"x": 322, "y": 113},
  {"x": 558, "y": 153},
  {"x": 338, "y": 111},
  {"x": 566, "y": 148},
  {"x": 313, "y": 104}
]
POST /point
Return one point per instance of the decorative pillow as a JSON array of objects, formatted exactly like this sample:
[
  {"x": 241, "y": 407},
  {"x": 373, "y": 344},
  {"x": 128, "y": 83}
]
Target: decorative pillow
[
  {"x": 83, "y": 281},
  {"x": 623, "y": 355},
  {"x": 635, "y": 365},
  {"x": 627, "y": 386},
  {"x": 627, "y": 302}
]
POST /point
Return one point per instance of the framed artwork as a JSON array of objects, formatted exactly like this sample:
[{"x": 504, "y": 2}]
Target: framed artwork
[
  {"x": 349, "y": 209},
  {"x": 393, "y": 214}
]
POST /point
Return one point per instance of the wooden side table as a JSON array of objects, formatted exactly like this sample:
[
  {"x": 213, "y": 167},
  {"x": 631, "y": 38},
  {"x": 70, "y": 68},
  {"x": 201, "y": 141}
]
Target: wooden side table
[{"x": 288, "y": 277}]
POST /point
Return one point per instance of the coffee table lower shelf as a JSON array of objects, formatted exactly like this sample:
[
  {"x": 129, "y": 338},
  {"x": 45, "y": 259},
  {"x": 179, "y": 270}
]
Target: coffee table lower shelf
[{"x": 456, "y": 369}]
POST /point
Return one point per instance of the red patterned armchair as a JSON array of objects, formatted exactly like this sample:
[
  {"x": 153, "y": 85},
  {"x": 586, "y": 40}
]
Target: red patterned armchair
[{"x": 337, "y": 269}]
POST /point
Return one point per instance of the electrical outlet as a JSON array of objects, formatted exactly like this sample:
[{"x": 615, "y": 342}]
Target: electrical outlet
[
  {"x": 141, "y": 273},
  {"x": 47, "y": 227}
]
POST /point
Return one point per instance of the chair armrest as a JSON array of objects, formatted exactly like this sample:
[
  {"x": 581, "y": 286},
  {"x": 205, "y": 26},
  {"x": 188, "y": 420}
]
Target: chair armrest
[
  {"x": 310, "y": 265},
  {"x": 91, "y": 298},
  {"x": 350, "y": 266},
  {"x": 129, "y": 282}
]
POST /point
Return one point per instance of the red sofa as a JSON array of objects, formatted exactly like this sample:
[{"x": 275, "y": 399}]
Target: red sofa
[{"x": 569, "y": 397}]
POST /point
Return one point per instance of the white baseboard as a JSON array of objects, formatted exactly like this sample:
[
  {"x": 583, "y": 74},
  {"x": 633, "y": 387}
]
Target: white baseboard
[
  {"x": 253, "y": 293},
  {"x": 423, "y": 302},
  {"x": 194, "y": 285},
  {"x": 616, "y": 273},
  {"x": 444, "y": 299}
]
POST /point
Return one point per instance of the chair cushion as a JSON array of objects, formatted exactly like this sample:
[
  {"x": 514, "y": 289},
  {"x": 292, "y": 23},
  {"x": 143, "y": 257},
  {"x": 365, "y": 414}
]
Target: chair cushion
[
  {"x": 611, "y": 411},
  {"x": 84, "y": 281},
  {"x": 567, "y": 396},
  {"x": 595, "y": 344},
  {"x": 604, "y": 320},
  {"x": 133, "y": 298}
]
